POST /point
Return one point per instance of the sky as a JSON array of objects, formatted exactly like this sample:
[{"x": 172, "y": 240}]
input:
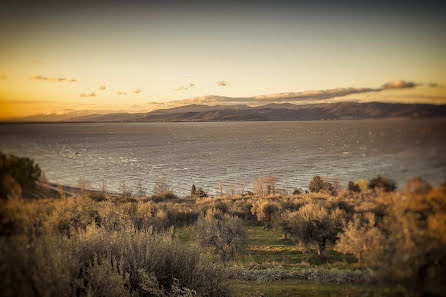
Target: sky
[{"x": 137, "y": 56}]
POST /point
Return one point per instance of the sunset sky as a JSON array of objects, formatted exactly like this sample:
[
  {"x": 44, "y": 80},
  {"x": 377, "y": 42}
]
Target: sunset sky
[{"x": 142, "y": 55}]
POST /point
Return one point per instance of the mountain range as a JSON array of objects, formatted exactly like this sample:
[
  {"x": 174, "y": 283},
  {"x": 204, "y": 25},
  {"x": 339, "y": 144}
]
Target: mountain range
[{"x": 269, "y": 112}]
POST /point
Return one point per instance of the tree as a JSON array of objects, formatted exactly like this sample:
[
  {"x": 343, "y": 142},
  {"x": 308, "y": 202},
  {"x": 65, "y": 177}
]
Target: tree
[
  {"x": 416, "y": 237},
  {"x": 385, "y": 184},
  {"x": 193, "y": 190},
  {"x": 317, "y": 184},
  {"x": 270, "y": 182},
  {"x": 9, "y": 188},
  {"x": 22, "y": 170},
  {"x": 362, "y": 238},
  {"x": 161, "y": 186},
  {"x": 221, "y": 231},
  {"x": 264, "y": 210},
  {"x": 417, "y": 185},
  {"x": 353, "y": 187},
  {"x": 315, "y": 223}
]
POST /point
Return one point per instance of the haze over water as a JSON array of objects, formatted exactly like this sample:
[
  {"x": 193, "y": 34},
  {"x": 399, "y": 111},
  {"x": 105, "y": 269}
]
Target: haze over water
[{"x": 231, "y": 152}]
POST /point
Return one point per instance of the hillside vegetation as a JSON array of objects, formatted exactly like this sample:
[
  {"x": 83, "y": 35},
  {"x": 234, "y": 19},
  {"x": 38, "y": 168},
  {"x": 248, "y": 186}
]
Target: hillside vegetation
[{"x": 366, "y": 240}]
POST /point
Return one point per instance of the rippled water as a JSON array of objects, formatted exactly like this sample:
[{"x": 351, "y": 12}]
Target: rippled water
[{"x": 205, "y": 153}]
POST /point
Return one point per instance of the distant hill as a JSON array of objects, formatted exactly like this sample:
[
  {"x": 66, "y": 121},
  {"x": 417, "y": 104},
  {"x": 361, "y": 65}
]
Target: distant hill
[{"x": 270, "y": 112}]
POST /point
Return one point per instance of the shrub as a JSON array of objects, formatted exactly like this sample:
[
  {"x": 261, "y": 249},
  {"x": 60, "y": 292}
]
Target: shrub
[
  {"x": 416, "y": 236},
  {"x": 9, "y": 188},
  {"x": 317, "y": 184},
  {"x": 264, "y": 210},
  {"x": 382, "y": 183},
  {"x": 353, "y": 187},
  {"x": 417, "y": 185},
  {"x": 164, "y": 196},
  {"x": 161, "y": 186},
  {"x": 222, "y": 232},
  {"x": 200, "y": 193},
  {"x": 362, "y": 238},
  {"x": 22, "y": 170},
  {"x": 297, "y": 191},
  {"x": 101, "y": 263}
]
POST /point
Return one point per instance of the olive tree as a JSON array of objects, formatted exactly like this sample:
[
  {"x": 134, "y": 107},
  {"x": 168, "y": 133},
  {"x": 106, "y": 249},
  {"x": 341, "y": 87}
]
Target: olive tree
[
  {"x": 315, "y": 223},
  {"x": 221, "y": 231},
  {"x": 265, "y": 210},
  {"x": 362, "y": 238}
]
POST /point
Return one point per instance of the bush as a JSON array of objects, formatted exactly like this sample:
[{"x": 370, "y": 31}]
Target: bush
[
  {"x": 161, "y": 186},
  {"x": 9, "y": 188},
  {"x": 101, "y": 263},
  {"x": 353, "y": 187},
  {"x": 417, "y": 185},
  {"x": 222, "y": 232},
  {"x": 164, "y": 196},
  {"x": 22, "y": 170},
  {"x": 317, "y": 184},
  {"x": 362, "y": 238},
  {"x": 382, "y": 183},
  {"x": 200, "y": 193},
  {"x": 265, "y": 210}
]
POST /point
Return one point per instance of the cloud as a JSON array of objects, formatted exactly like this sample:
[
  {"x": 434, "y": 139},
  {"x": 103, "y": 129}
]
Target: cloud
[
  {"x": 433, "y": 85},
  {"x": 53, "y": 79},
  {"x": 296, "y": 97},
  {"x": 91, "y": 94},
  {"x": 137, "y": 91},
  {"x": 3, "y": 76},
  {"x": 102, "y": 88},
  {"x": 399, "y": 84},
  {"x": 222, "y": 83},
  {"x": 121, "y": 93},
  {"x": 186, "y": 87}
]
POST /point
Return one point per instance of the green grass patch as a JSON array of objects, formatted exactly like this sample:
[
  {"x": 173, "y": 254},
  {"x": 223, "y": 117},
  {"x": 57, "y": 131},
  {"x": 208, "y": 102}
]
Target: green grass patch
[
  {"x": 185, "y": 234},
  {"x": 295, "y": 288},
  {"x": 268, "y": 247}
]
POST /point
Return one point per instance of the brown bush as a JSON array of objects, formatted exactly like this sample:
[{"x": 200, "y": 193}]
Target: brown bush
[
  {"x": 318, "y": 184},
  {"x": 417, "y": 185}
]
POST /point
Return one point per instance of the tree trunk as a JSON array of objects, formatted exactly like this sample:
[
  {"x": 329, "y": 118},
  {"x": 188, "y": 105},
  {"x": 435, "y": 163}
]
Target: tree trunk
[{"x": 320, "y": 248}]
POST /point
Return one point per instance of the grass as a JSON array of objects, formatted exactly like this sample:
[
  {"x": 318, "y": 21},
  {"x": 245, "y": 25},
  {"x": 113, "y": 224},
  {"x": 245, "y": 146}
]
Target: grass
[
  {"x": 264, "y": 247},
  {"x": 295, "y": 288}
]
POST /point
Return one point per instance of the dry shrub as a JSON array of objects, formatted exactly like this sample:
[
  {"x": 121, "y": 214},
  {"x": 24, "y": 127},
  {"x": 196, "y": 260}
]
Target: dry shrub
[
  {"x": 417, "y": 185},
  {"x": 382, "y": 183},
  {"x": 102, "y": 263},
  {"x": 221, "y": 231},
  {"x": 265, "y": 210},
  {"x": 318, "y": 184},
  {"x": 362, "y": 238}
]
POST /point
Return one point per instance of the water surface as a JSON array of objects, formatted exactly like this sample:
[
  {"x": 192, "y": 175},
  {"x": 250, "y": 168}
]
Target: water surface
[{"x": 231, "y": 152}]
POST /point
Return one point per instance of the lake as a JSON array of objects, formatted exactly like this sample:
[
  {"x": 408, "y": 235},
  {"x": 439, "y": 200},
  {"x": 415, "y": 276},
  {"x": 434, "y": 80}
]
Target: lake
[{"x": 231, "y": 152}]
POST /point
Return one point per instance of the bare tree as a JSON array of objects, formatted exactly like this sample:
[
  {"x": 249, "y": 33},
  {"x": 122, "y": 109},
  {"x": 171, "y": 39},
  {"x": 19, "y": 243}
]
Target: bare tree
[
  {"x": 140, "y": 190},
  {"x": 161, "y": 185},
  {"x": 270, "y": 183},
  {"x": 220, "y": 187},
  {"x": 259, "y": 186},
  {"x": 83, "y": 185},
  {"x": 125, "y": 191}
]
